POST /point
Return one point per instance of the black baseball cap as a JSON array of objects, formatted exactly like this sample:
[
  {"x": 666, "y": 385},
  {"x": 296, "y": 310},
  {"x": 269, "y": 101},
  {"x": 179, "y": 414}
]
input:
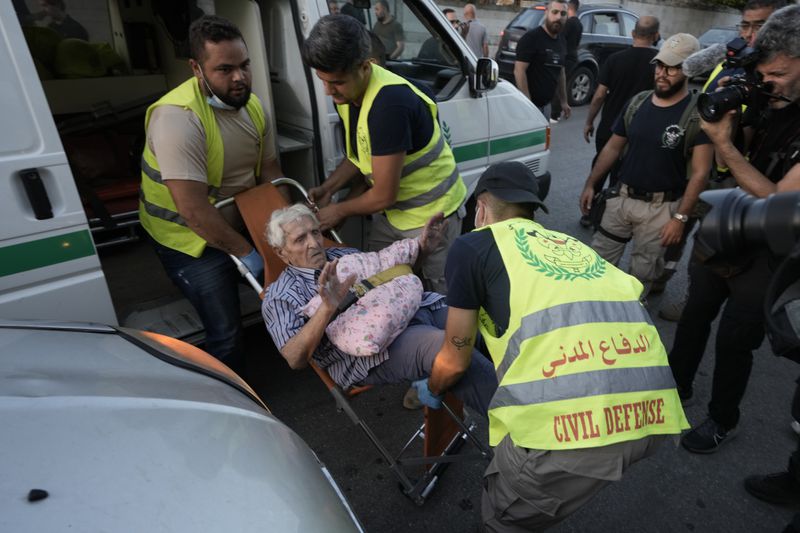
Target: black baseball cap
[{"x": 512, "y": 182}]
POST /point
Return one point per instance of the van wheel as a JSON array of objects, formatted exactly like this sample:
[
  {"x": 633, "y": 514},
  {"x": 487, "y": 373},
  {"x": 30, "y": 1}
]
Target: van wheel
[{"x": 580, "y": 86}]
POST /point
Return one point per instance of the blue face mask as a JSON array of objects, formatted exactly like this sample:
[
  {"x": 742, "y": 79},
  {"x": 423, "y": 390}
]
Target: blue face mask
[{"x": 214, "y": 100}]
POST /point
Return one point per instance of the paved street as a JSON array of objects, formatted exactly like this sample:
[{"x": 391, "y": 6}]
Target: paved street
[{"x": 672, "y": 491}]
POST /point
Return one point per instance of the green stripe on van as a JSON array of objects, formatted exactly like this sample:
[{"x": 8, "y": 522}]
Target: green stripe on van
[
  {"x": 517, "y": 142},
  {"x": 499, "y": 146},
  {"x": 44, "y": 252}
]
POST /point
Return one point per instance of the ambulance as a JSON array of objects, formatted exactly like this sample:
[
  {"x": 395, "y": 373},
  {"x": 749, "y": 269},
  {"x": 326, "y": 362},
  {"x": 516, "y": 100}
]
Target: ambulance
[{"x": 72, "y": 136}]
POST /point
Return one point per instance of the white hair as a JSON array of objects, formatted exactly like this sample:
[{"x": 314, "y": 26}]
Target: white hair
[{"x": 276, "y": 236}]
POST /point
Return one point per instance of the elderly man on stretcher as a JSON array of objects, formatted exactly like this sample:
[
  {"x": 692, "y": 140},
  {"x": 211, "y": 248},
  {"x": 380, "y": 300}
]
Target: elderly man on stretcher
[{"x": 362, "y": 316}]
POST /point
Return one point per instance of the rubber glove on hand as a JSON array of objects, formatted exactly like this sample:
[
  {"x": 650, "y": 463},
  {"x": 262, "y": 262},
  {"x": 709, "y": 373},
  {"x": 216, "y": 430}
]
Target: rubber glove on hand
[
  {"x": 425, "y": 395},
  {"x": 254, "y": 263}
]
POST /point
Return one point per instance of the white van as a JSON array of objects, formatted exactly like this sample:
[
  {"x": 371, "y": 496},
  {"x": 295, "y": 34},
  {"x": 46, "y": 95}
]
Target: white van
[{"x": 72, "y": 135}]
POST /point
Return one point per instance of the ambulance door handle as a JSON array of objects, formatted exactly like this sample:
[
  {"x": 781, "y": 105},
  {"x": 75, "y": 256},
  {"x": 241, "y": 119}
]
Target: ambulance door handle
[{"x": 37, "y": 194}]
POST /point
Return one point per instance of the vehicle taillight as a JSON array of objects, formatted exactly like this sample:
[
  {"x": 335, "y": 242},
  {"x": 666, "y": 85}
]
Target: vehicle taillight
[{"x": 547, "y": 141}]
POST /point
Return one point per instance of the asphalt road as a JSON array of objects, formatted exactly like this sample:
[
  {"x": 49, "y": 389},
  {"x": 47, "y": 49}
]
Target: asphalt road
[{"x": 672, "y": 491}]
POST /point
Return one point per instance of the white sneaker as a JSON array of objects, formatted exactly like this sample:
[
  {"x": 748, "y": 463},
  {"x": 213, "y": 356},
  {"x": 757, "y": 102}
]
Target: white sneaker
[
  {"x": 795, "y": 425},
  {"x": 553, "y": 121}
]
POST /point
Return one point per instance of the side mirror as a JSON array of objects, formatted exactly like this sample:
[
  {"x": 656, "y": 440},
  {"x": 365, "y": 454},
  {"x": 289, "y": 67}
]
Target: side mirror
[{"x": 486, "y": 74}]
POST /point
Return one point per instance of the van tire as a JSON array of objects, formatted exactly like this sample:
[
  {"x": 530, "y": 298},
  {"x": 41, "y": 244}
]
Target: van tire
[{"x": 580, "y": 86}]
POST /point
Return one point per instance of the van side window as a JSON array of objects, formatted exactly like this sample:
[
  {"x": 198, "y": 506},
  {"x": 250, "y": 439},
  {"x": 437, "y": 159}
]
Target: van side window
[{"x": 428, "y": 56}]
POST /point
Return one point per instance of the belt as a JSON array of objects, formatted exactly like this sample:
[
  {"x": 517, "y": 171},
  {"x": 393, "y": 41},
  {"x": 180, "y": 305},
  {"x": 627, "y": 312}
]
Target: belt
[
  {"x": 360, "y": 288},
  {"x": 649, "y": 196}
]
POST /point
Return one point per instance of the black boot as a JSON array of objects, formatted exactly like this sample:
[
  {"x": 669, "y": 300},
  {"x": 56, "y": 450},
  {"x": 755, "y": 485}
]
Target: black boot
[{"x": 780, "y": 488}]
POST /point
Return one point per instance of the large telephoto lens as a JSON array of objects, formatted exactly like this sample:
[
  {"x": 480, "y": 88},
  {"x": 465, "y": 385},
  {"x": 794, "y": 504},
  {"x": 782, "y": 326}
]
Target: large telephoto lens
[
  {"x": 739, "y": 222},
  {"x": 713, "y": 106}
]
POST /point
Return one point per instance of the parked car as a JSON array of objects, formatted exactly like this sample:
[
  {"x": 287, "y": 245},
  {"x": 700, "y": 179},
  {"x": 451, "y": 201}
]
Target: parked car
[
  {"x": 108, "y": 429},
  {"x": 606, "y": 29},
  {"x": 718, "y": 35}
]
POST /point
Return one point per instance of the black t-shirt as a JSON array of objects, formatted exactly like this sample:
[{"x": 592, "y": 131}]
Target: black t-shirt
[
  {"x": 399, "y": 121},
  {"x": 573, "y": 31},
  {"x": 625, "y": 73},
  {"x": 775, "y": 131},
  {"x": 546, "y": 57},
  {"x": 477, "y": 277},
  {"x": 654, "y": 161}
]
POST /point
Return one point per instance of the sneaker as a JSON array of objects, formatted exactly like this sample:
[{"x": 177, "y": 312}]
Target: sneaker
[
  {"x": 411, "y": 399},
  {"x": 707, "y": 437},
  {"x": 672, "y": 311},
  {"x": 795, "y": 425},
  {"x": 781, "y": 488},
  {"x": 553, "y": 121}
]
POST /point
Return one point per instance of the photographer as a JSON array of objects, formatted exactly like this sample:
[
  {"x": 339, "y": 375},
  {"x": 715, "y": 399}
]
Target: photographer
[{"x": 770, "y": 165}]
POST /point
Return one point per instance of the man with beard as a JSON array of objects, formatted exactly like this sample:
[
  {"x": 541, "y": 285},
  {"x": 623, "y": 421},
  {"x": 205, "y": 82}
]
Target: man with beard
[
  {"x": 207, "y": 139},
  {"x": 770, "y": 165},
  {"x": 623, "y": 75},
  {"x": 654, "y": 198},
  {"x": 541, "y": 54},
  {"x": 389, "y": 30}
]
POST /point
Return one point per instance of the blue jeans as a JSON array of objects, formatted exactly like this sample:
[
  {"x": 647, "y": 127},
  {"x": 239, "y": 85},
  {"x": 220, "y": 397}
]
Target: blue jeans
[
  {"x": 411, "y": 357},
  {"x": 210, "y": 282}
]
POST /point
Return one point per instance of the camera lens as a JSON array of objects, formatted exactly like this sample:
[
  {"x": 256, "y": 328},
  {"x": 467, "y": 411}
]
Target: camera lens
[
  {"x": 739, "y": 222},
  {"x": 712, "y": 106}
]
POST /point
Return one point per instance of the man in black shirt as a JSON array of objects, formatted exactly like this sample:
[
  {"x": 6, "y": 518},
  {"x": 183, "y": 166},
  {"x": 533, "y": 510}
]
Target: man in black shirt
[
  {"x": 623, "y": 74},
  {"x": 573, "y": 31},
  {"x": 655, "y": 198},
  {"x": 771, "y": 165},
  {"x": 541, "y": 54},
  {"x": 389, "y": 124}
]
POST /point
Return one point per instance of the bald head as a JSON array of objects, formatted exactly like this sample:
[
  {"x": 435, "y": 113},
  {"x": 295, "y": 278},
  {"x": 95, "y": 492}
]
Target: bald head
[
  {"x": 646, "y": 29},
  {"x": 469, "y": 11}
]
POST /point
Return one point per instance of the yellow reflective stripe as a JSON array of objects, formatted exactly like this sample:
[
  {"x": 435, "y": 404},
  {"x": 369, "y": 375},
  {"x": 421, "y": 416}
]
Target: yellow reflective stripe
[
  {"x": 161, "y": 212},
  {"x": 155, "y": 175},
  {"x": 566, "y": 315},
  {"x": 150, "y": 172},
  {"x": 430, "y": 196},
  {"x": 425, "y": 159},
  {"x": 584, "y": 384},
  {"x": 422, "y": 162}
]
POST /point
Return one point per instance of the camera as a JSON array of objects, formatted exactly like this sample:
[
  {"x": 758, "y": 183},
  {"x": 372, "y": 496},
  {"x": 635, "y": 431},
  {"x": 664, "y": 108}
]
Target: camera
[
  {"x": 739, "y": 222},
  {"x": 742, "y": 89}
]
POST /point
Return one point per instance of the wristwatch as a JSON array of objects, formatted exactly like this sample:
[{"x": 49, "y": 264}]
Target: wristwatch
[{"x": 682, "y": 218}]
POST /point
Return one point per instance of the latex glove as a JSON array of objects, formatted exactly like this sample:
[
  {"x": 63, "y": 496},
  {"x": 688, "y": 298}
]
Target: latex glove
[
  {"x": 425, "y": 395},
  {"x": 254, "y": 263}
]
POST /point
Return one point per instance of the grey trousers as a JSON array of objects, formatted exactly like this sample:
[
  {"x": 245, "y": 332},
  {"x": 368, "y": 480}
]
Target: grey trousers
[
  {"x": 531, "y": 490},
  {"x": 382, "y": 234},
  {"x": 411, "y": 357}
]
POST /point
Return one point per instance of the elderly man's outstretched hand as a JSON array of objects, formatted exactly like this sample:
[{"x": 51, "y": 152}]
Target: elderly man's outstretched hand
[
  {"x": 331, "y": 290},
  {"x": 433, "y": 234}
]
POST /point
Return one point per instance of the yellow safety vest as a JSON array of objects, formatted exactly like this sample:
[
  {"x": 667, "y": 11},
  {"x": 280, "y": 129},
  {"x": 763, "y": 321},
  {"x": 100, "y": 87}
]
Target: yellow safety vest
[
  {"x": 713, "y": 76},
  {"x": 429, "y": 182},
  {"x": 157, "y": 211},
  {"x": 581, "y": 365}
]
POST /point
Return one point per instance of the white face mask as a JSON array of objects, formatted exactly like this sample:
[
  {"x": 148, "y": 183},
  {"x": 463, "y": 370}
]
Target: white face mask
[{"x": 214, "y": 100}]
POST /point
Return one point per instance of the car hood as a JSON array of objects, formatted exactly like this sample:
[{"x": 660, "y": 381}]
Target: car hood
[{"x": 122, "y": 441}]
